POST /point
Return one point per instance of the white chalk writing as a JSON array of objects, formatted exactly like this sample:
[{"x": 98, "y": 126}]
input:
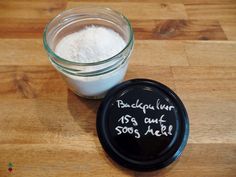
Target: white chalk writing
[{"x": 158, "y": 126}]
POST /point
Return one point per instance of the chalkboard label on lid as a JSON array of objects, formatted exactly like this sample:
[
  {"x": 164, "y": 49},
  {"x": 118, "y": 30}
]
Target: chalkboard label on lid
[
  {"x": 142, "y": 121},
  {"x": 142, "y": 124}
]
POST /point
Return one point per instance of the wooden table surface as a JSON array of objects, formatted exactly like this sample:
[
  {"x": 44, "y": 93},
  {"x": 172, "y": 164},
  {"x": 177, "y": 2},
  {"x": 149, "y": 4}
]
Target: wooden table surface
[{"x": 189, "y": 45}]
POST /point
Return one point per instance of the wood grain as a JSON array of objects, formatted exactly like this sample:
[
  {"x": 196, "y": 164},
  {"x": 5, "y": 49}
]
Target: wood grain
[
  {"x": 229, "y": 27},
  {"x": 178, "y": 30},
  {"x": 210, "y": 79},
  {"x": 22, "y": 28},
  {"x": 142, "y": 10},
  {"x": 211, "y": 11},
  {"x": 188, "y": 45},
  {"x": 159, "y": 1},
  {"x": 142, "y": 55},
  {"x": 25, "y": 10},
  {"x": 22, "y": 52},
  {"x": 84, "y": 162},
  {"x": 211, "y": 53}
]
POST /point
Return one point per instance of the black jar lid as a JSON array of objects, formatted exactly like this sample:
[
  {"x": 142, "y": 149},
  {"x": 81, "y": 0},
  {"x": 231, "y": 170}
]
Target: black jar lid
[{"x": 142, "y": 125}]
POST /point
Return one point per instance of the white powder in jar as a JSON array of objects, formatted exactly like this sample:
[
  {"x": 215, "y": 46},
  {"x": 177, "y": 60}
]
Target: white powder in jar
[{"x": 91, "y": 44}]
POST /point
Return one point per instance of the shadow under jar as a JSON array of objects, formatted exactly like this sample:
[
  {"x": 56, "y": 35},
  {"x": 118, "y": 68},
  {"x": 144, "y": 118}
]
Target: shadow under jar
[{"x": 90, "y": 80}]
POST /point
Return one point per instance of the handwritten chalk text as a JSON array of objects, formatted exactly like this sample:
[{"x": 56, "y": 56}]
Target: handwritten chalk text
[{"x": 144, "y": 107}]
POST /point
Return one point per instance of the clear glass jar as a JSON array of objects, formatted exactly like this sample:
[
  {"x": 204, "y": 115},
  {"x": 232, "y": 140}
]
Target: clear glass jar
[{"x": 90, "y": 80}]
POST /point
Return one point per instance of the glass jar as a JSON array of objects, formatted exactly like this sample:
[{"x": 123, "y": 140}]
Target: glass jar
[{"x": 90, "y": 80}]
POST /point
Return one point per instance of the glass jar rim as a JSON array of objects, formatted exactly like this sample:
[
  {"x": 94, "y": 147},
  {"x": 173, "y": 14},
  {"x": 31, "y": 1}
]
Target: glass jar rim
[{"x": 50, "y": 51}]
